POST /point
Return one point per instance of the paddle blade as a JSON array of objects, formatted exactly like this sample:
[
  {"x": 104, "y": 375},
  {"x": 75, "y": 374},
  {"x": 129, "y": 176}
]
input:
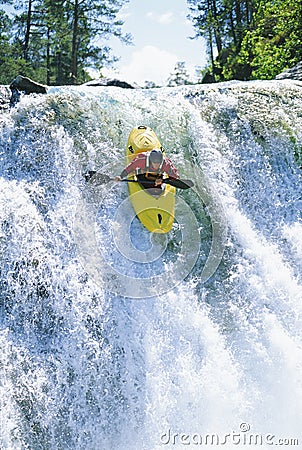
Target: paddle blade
[{"x": 181, "y": 184}]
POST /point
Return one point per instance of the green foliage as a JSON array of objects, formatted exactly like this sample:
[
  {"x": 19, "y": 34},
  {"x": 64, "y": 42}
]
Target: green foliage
[
  {"x": 55, "y": 42},
  {"x": 255, "y": 39},
  {"x": 274, "y": 43}
]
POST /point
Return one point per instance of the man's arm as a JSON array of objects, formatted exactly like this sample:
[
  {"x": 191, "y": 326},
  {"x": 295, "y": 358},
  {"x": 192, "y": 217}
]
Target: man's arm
[
  {"x": 137, "y": 162},
  {"x": 170, "y": 169}
]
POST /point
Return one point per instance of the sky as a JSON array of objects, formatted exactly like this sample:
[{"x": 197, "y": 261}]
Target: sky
[{"x": 161, "y": 35}]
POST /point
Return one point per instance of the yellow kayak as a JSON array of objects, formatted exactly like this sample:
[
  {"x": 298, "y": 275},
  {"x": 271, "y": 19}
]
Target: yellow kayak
[{"x": 155, "y": 213}]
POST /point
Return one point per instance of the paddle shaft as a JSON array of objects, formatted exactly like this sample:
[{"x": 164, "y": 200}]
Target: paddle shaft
[
  {"x": 181, "y": 184},
  {"x": 176, "y": 182}
]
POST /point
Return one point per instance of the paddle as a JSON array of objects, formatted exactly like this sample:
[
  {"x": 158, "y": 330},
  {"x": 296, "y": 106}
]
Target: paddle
[{"x": 103, "y": 178}]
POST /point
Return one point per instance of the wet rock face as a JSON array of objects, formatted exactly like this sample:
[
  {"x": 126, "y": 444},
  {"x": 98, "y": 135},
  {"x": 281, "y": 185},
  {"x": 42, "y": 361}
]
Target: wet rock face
[
  {"x": 110, "y": 82},
  {"x": 27, "y": 85},
  {"x": 294, "y": 73},
  {"x": 10, "y": 94}
]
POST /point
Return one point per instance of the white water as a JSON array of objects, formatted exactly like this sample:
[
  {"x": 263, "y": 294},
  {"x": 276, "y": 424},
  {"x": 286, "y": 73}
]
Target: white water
[{"x": 84, "y": 367}]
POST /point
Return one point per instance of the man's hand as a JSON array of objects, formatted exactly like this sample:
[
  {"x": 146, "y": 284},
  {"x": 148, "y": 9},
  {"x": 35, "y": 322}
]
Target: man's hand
[
  {"x": 117, "y": 178},
  {"x": 158, "y": 181}
]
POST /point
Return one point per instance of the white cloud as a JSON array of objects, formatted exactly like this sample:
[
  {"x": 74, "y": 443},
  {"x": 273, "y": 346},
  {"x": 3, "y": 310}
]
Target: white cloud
[
  {"x": 148, "y": 64},
  {"x": 166, "y": 18},
  {"x": 163, "y": 19}
]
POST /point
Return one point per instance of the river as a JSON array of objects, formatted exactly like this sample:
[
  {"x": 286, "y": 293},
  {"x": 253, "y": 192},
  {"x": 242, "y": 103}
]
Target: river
[{"x": 115, "y": 339}]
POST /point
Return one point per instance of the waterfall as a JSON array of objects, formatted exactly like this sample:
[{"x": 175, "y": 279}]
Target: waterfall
[{"x": 112, "y": 338}]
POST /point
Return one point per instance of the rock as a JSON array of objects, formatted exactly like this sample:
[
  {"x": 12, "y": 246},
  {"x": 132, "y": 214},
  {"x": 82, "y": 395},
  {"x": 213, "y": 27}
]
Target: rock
[
  {"x": 27, "y": 85},
  {"x": 109, "y": 82},
  {"x": 294, "y": 73},
  {"x": 208, "y": 78}
]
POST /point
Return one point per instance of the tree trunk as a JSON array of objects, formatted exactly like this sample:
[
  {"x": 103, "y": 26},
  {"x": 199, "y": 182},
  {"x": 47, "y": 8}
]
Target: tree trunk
[
  {"x": 48, "y": 57},
  {"x": 27, "y": 32},
  {"x": 74, "y": 52},
  {"x": 233, "y": 32},
  {"x": 239, "y": 24},
  {"x": 217, "y": 33}
]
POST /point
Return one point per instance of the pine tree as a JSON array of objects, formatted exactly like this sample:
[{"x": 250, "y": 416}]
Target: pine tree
[
  {"x": 223, "y": 24},
  {"x": 179, "y": 76},
  {"x": 248, "y": 39},
  {"x": 60, "y": 39}
]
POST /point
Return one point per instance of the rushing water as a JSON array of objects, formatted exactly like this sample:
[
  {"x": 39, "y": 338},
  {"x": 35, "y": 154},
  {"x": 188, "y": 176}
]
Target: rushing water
[{"x": 95, "y": 354}]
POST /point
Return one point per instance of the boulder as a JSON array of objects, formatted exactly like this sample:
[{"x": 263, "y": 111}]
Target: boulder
[
  {"x": 27, "y": 85},
  {"x": 109, "y": 82},
  {"x": 294, "y": 73}
]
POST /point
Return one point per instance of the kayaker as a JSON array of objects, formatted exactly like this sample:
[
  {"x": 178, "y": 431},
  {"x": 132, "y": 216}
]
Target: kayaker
[{"x": 148, "y": 167}]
